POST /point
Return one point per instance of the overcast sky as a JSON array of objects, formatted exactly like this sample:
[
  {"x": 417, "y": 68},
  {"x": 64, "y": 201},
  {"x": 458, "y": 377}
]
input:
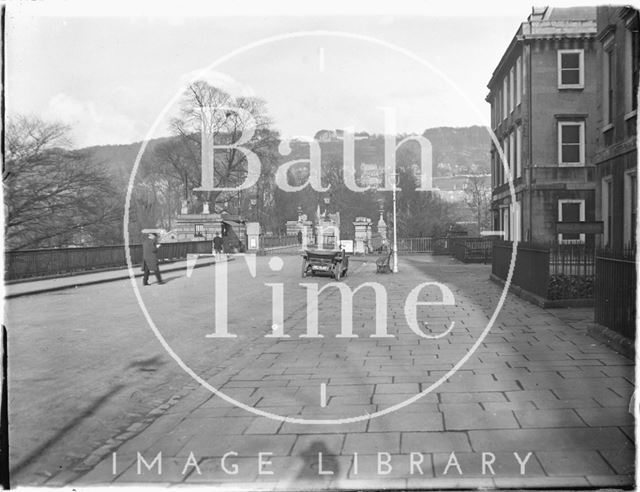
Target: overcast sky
[{"x": 110, "y": 76}]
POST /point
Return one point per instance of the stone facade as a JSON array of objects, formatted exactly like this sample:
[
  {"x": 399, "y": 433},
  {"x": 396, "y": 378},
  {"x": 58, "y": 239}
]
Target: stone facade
[
  {"x": 544, "y": 97},
  {"x": 197, "y": 227},
  {"x": 327, "y": 230},
  {"x": 617, "y": 155},
  {"x": 362, "y": 235},
  {"x": 305, "y": 226},
  {"x": 203, "y": 227}
]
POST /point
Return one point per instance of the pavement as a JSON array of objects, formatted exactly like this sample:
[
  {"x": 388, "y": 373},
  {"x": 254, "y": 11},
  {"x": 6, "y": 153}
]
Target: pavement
[
  {"x": 537, "y": 403},
  {"x": 40, "y": 286}
]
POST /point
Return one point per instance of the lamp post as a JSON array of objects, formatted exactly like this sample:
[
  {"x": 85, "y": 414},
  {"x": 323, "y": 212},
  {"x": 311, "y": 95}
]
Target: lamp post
[
  {"x": 254, "y": 201},
  {"x": 395, "y": 225}
]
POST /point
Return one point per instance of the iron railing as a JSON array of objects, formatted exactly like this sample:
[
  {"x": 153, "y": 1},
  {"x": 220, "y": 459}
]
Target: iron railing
[
  {"x": 409, "y": 245},
  {"x": 531, "y": 270},
  {"x": 571, "y": 271},
  {"x": 279, "y": 241},
  {"x": 445, "y": 245},
  {"x": 552, "y": 271},
  {"x": 615, "y": 292},
  {"x": 572, "y": 260},
  {"x": 472, "y": 249},
  {"x": 60, "y": 261}
]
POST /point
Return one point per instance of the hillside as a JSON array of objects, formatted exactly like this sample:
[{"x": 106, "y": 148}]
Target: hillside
[
  {"x": 455, "y": 151},
  {"x": 460, "y": 150},
  {"x": 119, "y": 159}
]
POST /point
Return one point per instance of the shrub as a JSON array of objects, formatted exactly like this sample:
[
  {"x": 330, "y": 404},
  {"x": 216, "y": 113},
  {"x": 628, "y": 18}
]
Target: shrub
[{"x": 570, "y": 287}]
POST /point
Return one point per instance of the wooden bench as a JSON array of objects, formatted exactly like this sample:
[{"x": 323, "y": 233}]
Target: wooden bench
[{"x": 382, "y": 263}]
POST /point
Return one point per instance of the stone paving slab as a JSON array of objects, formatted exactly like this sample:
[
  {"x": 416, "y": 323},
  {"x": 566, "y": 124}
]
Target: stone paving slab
[
  {"x": 571, "y": 438},
  {"x": 574, "y": 463},
  {"x": 548, "y": 418},
  {"x": 538, "y": 386}
]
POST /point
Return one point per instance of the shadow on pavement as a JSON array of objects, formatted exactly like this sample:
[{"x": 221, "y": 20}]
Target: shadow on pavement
[
  {"x": 165, "y": 280},
  {"x": 311, "y": 457},
  {"x": 53, "y": 439}
]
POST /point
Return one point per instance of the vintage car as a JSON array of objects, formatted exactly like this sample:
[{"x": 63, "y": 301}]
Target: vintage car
[{"x": 334, "y": 263}]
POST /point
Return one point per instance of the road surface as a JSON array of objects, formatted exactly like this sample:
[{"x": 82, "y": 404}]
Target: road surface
[{"x": 87, "y": 373}]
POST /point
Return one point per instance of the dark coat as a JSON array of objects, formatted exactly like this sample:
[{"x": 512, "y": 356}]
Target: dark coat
[
  {"x": 217, "y": 243},
  {"x": 150, "y": 254}
]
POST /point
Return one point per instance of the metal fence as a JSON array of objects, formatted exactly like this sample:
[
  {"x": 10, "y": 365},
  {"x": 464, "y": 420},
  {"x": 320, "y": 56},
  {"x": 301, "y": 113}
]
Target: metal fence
[
  {"x": 552, "y": 271},
  {"x": 59, "y": 261},
  {"x": 571, "y": 259},
  {"x": 571, "y": 271},
  {"x": 531, "y": 271},
  {"x": 409, "y": 245},
  {"x": 477, "y": 248},
  {"x": 279, "y": 241},
  {"x": 472, "y": 249},
  {"x": 615, "y": 292}
]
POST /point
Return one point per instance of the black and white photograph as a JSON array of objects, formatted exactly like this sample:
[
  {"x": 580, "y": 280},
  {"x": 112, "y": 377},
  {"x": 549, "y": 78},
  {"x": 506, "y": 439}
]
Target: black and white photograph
[{"x": 303, "y": 246}]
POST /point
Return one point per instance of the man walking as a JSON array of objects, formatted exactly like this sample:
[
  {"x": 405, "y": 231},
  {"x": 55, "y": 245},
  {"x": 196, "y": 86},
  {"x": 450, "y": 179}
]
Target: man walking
[
  {"x": 217, "y": 244},
  {"x": 150, "y": 259}
]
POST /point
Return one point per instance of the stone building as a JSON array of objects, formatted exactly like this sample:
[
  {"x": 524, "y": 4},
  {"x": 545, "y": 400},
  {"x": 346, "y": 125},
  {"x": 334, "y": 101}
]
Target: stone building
[
  {"x": 204, "y": 227},
  {"x": 616, "y": 152},
  {"x": 544, "y": 100}
]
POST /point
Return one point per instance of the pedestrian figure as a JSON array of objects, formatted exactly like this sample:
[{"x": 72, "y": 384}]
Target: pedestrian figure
[
  {"x": 217, "y": 244},
  {"x": 299, "y": 237},
  {"x": 150, "y": 259}
]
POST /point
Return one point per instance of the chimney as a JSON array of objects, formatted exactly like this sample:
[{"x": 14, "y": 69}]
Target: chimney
[{"x": 537, "y": 13}]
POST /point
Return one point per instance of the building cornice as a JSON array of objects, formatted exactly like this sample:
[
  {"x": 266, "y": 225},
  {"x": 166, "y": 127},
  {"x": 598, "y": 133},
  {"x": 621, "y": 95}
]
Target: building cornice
[
  {"x": 506, "y": 56},
  {"x": 540, "y": 31},
  {"x": 542, "y": 37},
  {"x": 615, "y": 150}
]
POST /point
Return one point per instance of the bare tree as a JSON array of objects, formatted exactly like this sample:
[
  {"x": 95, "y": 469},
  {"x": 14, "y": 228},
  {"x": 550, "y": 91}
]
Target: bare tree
[
  {"x": 477, "y": 196},
  {"x": 213, "y": 107},
  {"x": 147, "y": 201},
  {"x": 53, "y": 196},
  {"x": 178, "y": 160}
]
